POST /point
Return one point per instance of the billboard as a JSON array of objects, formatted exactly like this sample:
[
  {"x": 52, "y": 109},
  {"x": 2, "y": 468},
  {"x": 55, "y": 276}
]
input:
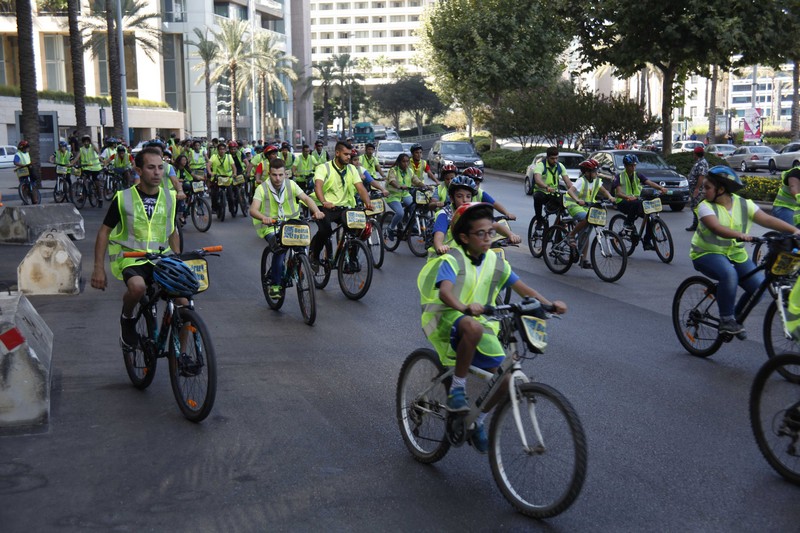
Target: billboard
[{"x": 752, "y": 125}]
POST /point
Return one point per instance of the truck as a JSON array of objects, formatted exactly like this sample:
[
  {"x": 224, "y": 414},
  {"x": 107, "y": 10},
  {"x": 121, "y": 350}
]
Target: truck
[{"x": 366, "y": 132}]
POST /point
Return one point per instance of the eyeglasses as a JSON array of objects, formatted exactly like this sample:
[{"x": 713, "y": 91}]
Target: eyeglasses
[{"x": 482, "y": 234}]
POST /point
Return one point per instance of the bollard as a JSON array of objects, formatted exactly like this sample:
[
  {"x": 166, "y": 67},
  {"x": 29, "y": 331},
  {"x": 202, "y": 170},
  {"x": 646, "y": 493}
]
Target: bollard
[
  {"x": 51, "y": 266},
  {"x": 24, "y": 224}
]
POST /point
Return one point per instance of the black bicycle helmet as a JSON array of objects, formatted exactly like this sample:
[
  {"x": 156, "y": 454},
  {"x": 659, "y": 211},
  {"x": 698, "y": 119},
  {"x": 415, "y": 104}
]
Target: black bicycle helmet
[
  {"x": 725, "y": 177},
  {"x": 175, "y": 277},
  {"x": 462, "y": 182},
  {"x": 415, "y": 147}
]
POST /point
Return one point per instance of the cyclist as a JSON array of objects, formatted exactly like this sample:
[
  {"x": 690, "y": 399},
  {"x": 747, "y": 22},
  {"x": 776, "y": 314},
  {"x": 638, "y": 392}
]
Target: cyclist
[
  {"x": 546, "y": 175},
  {"x": 399, "y": 179},
  {"x": 121, "y": 163},
  {"x": 335, "y": 186},
  {"x": 583, "y": 191},
  {"x": 717, "y": 248},
  {"x": 289, "y": 158},
  {"x": 441, "y": 193},
  {"x": 89, "y": 160},
  {"x": 370, "y": 162},
  {"x": 786, "y": 206},
  {"x": 454, "y": 290},
  {"x": 276, "y": 200},
  {"x": 270, "y": 154},
  {"x": 304, "y": 168},
  {"x": 319, "y": 156},
  {"x": 62, "y": 158},
  {"x": 696, "y": 177},
  {"x": 141, "y": 218},
  {"x": 477, "y": 174},
  {"x": 366, "y": 178},
  {"x": 419, "y": 167},
  {"x": 219, "y": 165},
  {"x": 22, "y": 162},
  {"x": 627, "y": 188},
  {"x": 197, "y": 161},
  {"x": 109, "y": 150}
]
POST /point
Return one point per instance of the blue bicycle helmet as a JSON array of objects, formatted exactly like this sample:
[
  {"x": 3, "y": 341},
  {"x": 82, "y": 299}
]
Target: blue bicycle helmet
[
  {"x": 725, "y": 177},
  {"x": 462, "y": 182},
  {"x": 175, "y": 277},
  {"x": 630, "y": 159},
  {"x": 62, "y": 144}
]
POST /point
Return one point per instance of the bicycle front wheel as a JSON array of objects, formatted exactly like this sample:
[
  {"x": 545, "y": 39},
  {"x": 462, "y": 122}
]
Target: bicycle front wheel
[
  {"x": 695, "y": 316},
  {"x": 60, "y": 191},
  {"x": 78, "y": 193},
  {"x": 775, "y": 415},
  {"x": 608, "y": 256},
  {"x": 306, "y": 294},
  {"x": 662, "y": 240},
  {"x": 266, "y": 268},
  {"x": 776, "y": 341},
  {"x": 24, "y": 191},
  {"x": 192, "y": 366},
  {"x": 421, "y": 406},
  {"x": 110, "y": 188},
  {"x": 390, "y": 241},
  {"x": 375, "y": 243},
  {"x": 416, "y": 237},
  {"x": 556, "y": 251},
  {"x": 355, "y": 269},
  {"x": 323, "y": 272},
  {"x": 536, "y": 236},
  {"x": 617, "y": 225},
  {"x": 545, "y": 477},
  {"x": 221, "y": 205},
  {"x": 201, "y": 214},
  {"x": 140, "y": 363}
]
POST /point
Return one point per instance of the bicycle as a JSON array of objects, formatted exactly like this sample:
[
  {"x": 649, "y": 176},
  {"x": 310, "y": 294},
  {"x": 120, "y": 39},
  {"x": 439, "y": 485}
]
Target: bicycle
[
  {"x": 416, "y": 227},
  {"x": 224, "y": 192},
  {"x": 292, "y": 238},
  {"x": 86, "y": 188},
  {"x": 182, "y": 338},
  {"x": 372, "y": 235},
  {"x": 112, "y": 182},
  {"x": 539, "y": 467},
  {"x": 775, "y": 415},
  {"x": 352, "y": 259},
  {"x": 653, "y": 229},
  {"x": 240, "y": 195},
  {"x": 197, "y": 207},
  {"x": 607, "y": 251},
  {"x": 536, "y": 230},
  {"x": 62, "y": 188},
  {"x": 28, "y": 188},
  {"x": 695, "y": 316}
]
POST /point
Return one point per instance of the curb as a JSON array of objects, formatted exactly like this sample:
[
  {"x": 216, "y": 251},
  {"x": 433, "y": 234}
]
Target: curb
[{"x": 505, "y": 174}]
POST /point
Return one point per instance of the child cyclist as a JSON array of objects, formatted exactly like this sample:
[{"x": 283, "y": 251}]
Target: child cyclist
[
  {"x": 454, "y": 289},
  {"x": 582, "y": 192},
  {"x": 276, "y": 200}
]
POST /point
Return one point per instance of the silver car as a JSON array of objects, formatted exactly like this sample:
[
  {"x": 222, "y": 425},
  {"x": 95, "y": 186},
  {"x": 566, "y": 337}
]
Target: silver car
[
  {"x": 570, "y": 160},
  {"x": 786, "y": 158},
  {"x": 721, "y": 150},
  {"x": 747, "y": 158},
  {"x": 387, "y": 152}
]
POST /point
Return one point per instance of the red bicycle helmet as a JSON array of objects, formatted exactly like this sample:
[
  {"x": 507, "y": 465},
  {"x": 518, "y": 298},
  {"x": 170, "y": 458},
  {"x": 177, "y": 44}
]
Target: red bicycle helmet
[
  {"x": 270, "y": 148},
  {"x": 588, "y": 165},
  {"x": 23, "y": 144},
  {"x": 474, "y": 173},
  {"x": 232, "y": 145},
  {"x": 448, "y": 168}
]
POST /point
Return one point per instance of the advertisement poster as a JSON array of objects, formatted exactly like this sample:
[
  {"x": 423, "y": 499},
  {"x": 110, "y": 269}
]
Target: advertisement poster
[{"x": 752, "y": 124}]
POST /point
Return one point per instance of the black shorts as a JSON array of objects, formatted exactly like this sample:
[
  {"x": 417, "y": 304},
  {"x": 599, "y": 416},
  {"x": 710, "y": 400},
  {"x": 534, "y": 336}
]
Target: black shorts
[{"x": 144, "y": 270}]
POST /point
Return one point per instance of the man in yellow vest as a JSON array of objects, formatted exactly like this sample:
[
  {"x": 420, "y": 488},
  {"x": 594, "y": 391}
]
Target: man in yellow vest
[
  {"x": 419, "y": 167},
  {"x": 89, "y": 158},
  {"x": 140, "y": 219},
  {"x": 454, "y": 290},
  {"x": 304, "y": 168},
  {"x": 370, "y": 162},
  {"x": 319, "y": 155}
]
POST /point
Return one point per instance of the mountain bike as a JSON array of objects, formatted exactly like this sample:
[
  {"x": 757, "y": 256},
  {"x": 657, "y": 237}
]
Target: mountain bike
[
  {"x": 86, "y": 188},
  {"x": 352, "y": 259},
  {"x": 112, "y": 182},
  {"x": 653, "y": 229},
  {"x": 372, "y": 234},
  {"x": 240, "y": 194},
  {"x": 536, "y": 229},
  {"x": 416, "y": 227},
  {"x": 28, "y": 188},
  {"x": 292, "y": 239},
  {"x": 775, "y": 415},
  {"x": 182, "y": 338},
  {"x": 695, "y": 315},
  {"x": 62, "y": 188},
  {"x": 537, "y": 446},
  {"x": 197, "y": 207},
  {"x": 607, "y": 251}
]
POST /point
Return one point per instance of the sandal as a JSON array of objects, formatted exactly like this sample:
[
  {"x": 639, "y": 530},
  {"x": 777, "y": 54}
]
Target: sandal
[{"x": 586, "y": 264}]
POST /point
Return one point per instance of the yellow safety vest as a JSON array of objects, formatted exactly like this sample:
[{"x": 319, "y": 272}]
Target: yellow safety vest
[
  {"x": 89, "y": 159},
  {"x": 740, "y": 218},
  {"x": 403, "y": 179},
  {"x": 291, "y": 207},
  {"x": 587, "y": 193},
  {"x": 630, "y": 185}
]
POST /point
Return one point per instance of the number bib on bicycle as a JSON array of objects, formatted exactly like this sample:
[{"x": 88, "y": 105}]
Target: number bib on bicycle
[{"x": 479, "y": 284}]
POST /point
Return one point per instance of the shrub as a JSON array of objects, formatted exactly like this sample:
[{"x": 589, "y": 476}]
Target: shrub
[
  {"x": 61, "y": 96},
  {"x": 684, "y": 161},
  {"x": 510, "y": 160},
  {"x": 759, "y": 188}
]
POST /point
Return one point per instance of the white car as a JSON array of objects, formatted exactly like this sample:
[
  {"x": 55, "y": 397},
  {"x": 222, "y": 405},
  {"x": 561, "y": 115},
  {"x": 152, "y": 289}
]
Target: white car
[
  {"x": 570, "y": 160},
  {"x": 387, "y": 152},
  {"x": 786, "y": 158},
  {"x": 7, "y": 153},
  {"x": 687, "y": 146}
]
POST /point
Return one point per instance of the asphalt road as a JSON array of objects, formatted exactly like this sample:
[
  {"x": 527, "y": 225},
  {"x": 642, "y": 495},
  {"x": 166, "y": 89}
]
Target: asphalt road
[{"x": 304, "y": 437}]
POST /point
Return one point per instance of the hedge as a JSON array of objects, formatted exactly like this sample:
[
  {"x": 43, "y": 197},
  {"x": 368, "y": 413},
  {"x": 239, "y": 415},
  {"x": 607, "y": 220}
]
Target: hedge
[
  {"x": 683, "y": 161},
  {"x": 760, "y": 188},
  {"x": 60, "y": 96},
  {"x": 511, "y": 160}
]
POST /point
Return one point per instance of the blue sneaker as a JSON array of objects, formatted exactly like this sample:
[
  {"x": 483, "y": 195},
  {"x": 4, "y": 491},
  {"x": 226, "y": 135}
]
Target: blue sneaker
[
  {"x": 457, "y": 400},
  {"x": 479, "y": 440}
]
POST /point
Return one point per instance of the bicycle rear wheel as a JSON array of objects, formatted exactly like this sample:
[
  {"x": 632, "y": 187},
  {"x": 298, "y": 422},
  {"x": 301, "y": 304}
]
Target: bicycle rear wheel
[
  {"x": 536, "y": 236},
  {"x": 140, "y": 363},
  {"x": 93, "y": 193},
  {"x": 777, "y": 342},
  {"x": 775, "y": 415},
  {"x": 323, "y": 272},
  {"x": 354, "y": 269},
  {"x": 617, "y": 225},
  {"x": 266, "y": 267},
  {"x": 201, "y": 214},
  {"x": 110, "y": 186},
  {"x": 545, "y": 478},
  {"x": 193, "y": 369},
  {"x": 375, "y": 243},
  {"x": 662, "y": 240},
  {"x": 244, "y": 205},
  {"x": 608, "y": 256},
  {"x": 421, "y": 406},
  {"x": 695, "y": 316},
  {"x": 24, "y": 191},
  {"x": 556, "y": 251},
  {"x": 306, "y": 294}
]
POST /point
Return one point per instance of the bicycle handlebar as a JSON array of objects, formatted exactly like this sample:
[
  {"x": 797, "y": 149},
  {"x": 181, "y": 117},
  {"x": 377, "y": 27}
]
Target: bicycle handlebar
[
  {"x": 150, "y": 255},
  {"x": 527, "y": 307}
]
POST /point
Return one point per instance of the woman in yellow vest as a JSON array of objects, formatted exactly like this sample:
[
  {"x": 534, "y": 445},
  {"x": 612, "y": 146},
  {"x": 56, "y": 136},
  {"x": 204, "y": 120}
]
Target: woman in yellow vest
[
  {"x": 718, "y": 243},
  {"x": 400, "y": 178},
  {"x": 583, "y": 191}
]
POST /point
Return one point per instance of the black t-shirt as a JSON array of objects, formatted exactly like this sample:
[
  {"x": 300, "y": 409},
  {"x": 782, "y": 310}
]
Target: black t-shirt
[{"x": 112, "y": 217}]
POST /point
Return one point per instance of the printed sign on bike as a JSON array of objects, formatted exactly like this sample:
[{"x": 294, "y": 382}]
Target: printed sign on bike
[
  {"x": 786, "y": 264},
  {"x": 597, "y": 216},
  {"x": 60, "y": 169},
  {"x": 377, "y": 207},
  {"x": 200, "y": 269},
  {"x": 651, "y": 206},
  {"x": 295, "y": 235},
  {"x": 224, "y": 181},
  {"x": 355, "y": 219},
  {"x": 238, "y": 180},
  {"x": 198, "y": 173},
  {"x": 536, "y": 331},
  {"x": 499, "y": 236},
  {"x": 23, "y": 172},
  {"x": 198, "y": 186},
  {"x": 422, "y": 197}
]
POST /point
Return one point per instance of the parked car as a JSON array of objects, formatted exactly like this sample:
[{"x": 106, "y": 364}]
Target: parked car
[
  {"x": 687, "y": 146},
  {"x": 387, "y": 152},
  {"x": 653, "y": 167},
  {"x": 407, "y": 147},
  {"x": 7, "y": 153},
  {"x": 721, "y": 150},
  {"x": 786, "y": 158},
  {"x": 391, "y": 135},
  {"x": 570, "y": 161},
  {"x": 459, "y": 153},
  {"x": 747, "y": 158}
]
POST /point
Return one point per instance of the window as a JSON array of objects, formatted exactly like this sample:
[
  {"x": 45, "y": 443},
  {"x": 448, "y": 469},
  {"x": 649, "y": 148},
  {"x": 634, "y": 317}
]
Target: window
[
  {"x": 361, "y": 5},
  {"x": 221, "y": 10},
  {"x": 327, "y": 49},
  {"x": 396, "y": 3},
  {"x": 2, "y": 62},
  {"x": 241, "y": 12},
  {"x": 343, "y": 5},
  {"x": 326, "y": 20},
  {"x": 412, "y": 47},
  {"x": 362, "y": 49},
  {"x": 344, "y": 20},
  {"x": 414, "y": 3},
  {"x": 362, "y": 20},
  {"x": 741, "y": 88},
  {"x": 326, "y": 35},
  {"x": 313, "y": 36},
  {"x": 378, "y": 20},
  {"x": 378, "y": 5},
  {"x": 362, "y": 35},
  {"x": 398, "y": 33},
  {"x": 398, "y": 61},
  {"x": 397, "y": 18},
  {"x": 313, "y": 22},
  {"x": 413, "y": 18},
  {"x": 325, "y": 7},
  {"x": 173, "y": 71},
  {"x": 54, "y": 77},
  {"x": 740, "y": 100},
  {"x": 344, "y": 35},
  {"x": 344, "y": 49},
  {"x": 378, "y": 34},
  {"x": 398, "y": 47},
  {"x": 378, "y": 47},
  {"x": 693, "y": 111},
  {"x": 313, "y": 50},
  {"x": 102, "y": 68}
]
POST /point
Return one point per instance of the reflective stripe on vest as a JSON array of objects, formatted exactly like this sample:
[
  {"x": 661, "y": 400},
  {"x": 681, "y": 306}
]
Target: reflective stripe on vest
[
  {"x": 89, "y": 159},
  {"x": 705, "y": 241},
  {"x": 197, "y": 161},
  {"x": 631, "y": 185}
]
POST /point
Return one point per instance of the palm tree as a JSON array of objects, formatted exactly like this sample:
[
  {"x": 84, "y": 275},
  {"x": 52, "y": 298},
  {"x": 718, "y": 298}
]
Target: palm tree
[
  {"x": 76, "y": 55},
  {"x": 29, "y": 121},
  {"x": 272, "y": 65},
  {"x": 712, "y": 104},
  {"x": 114, "y": 72},
  {"x": 233, "y": 38},
  {"x": 344, "y": 65},
  {"x": 208, "y": 52},
  {"x": 364, "y": 65},
  {"x": 381, "y": 62},
  {"x": 327, "y": 75}
]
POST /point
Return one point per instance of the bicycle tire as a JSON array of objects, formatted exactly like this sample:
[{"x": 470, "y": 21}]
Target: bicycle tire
[
  {"x": 60, "y": 192},
  {"x": 776, "y": 342},
  {"x": 758, "y": 254},
  {"x": 194, "y": 377},
  {"x": 695, "y": 316},
  {"x": 662, "y": 240},
  {"x": 774, "y": 416},
  {"x": 78, "y": 193},
  {"x": 23, "y": 190},
  {"x": 221, "y": 205},
  {"x": 422, "y": 419},
  {"x": 617, "y": 225},
  {"x": 233, "y": 203},
  {"x": 608, "y": 260},
  {"x": 141, "y": 362},
  {"x": 389, "y": 244},
  {"x": 536, "y": 237},
  {"x": 556, "y": 252},
  {"x": 266, "y": 266},
  {"x": 244, "y": 205},
  {"x": 416, "y": 237},
  {"x": 323, "y": 273},
  {"x": 531, "y": 480},
  {"x": 110, "y": 187},
  {"x": 201, "y": 214},
  {"x": 376, "y": 243},
  {"x": 92, "y": 193},
  {"x": 354, "y": 269},
  {"x": 306, "y": 293}
]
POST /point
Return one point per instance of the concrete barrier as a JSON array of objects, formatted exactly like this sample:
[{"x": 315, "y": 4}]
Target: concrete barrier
[
  {"x": 24, "y": 224},
  {"x": 51, "y": 266},
  {"x": 26, "y": 348}
]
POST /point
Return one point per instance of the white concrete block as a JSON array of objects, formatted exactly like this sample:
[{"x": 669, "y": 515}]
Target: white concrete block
[
  {"x": 51, "y": 266},
  {"x": 24, "y": 224}
]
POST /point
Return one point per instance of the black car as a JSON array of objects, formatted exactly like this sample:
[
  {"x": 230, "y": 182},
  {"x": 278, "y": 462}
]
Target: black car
[
  {"x": 653, "y": 167},
  {"x": 459, "y": 153}
]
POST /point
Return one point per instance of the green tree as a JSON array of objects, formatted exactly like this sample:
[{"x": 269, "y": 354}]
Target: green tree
[
  {"x": 78, "y": 75},
  {"x": 327, "y": 76},
  {"x": 273, "y": 66},
  {"x": 233, "y": 38},
  {"x": 208, "y": 52},
  {"x": 29, "y": 121},
  {"x": 346, "y": 76},
  {"x": 422, "y": 101},
  {"x": 382, "y": 62}
]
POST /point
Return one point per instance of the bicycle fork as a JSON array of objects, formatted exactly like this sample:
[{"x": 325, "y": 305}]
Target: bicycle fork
[{"x": 517, "y": 376}]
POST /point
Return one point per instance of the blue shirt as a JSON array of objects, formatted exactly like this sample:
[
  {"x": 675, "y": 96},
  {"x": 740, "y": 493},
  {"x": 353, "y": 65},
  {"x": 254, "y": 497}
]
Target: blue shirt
[
  {"x": 484, "y": 197},
  {"x": 441, "y": 223}
]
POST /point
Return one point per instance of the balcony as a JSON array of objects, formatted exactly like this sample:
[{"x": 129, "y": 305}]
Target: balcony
[{"x": 270, "y": 8}]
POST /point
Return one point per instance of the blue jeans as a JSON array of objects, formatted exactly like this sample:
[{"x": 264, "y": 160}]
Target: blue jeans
[
  {"x": 397, "y": 207},
  {"x": 728, "y": 275},
  {"x": 784, "y": 213},
  {"x": 276, "y": 269}
]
